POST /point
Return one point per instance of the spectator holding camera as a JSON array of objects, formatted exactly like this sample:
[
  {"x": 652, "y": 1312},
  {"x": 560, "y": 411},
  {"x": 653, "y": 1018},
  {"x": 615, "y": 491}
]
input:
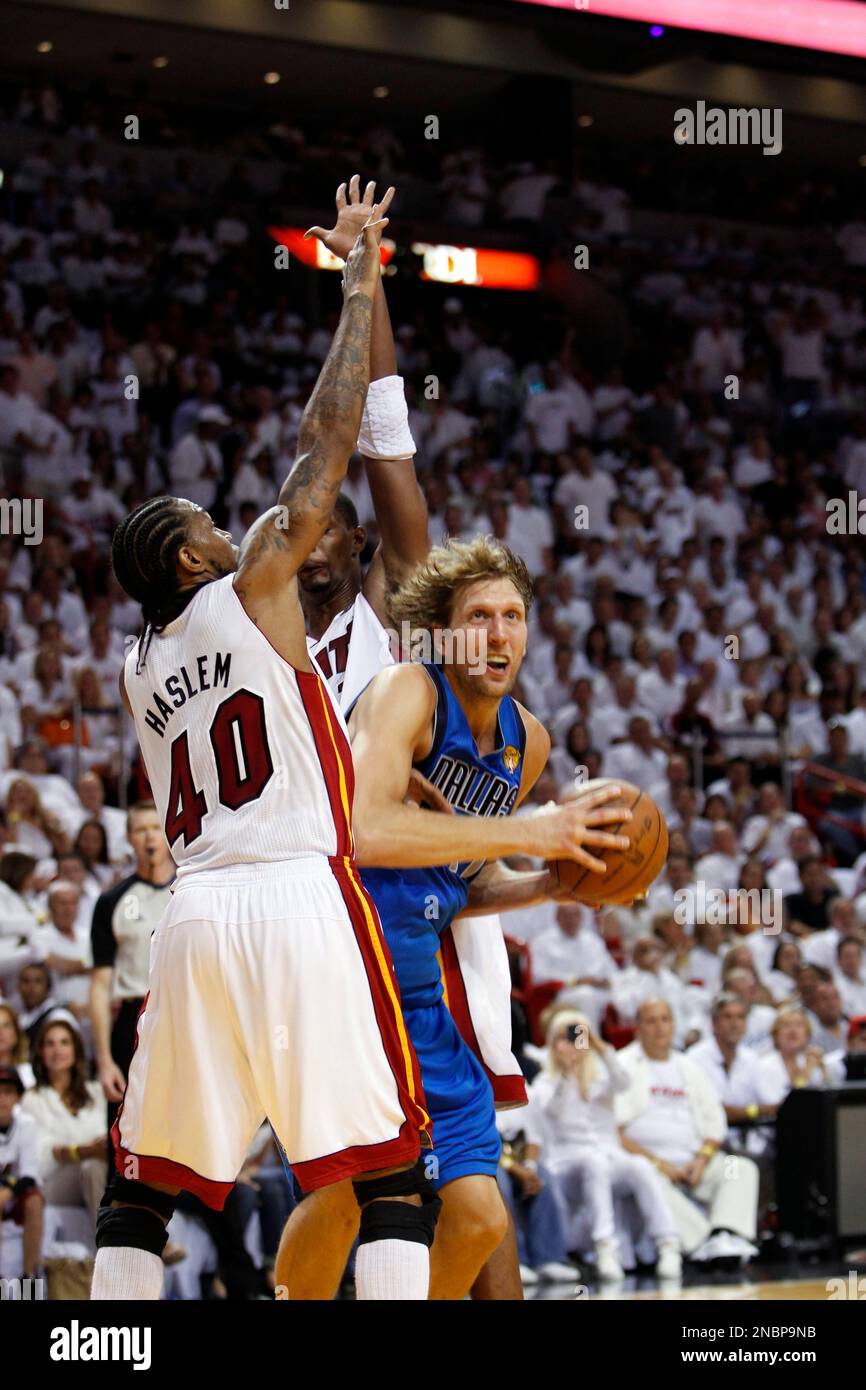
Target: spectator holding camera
[{"x": 572, "y": 1103}]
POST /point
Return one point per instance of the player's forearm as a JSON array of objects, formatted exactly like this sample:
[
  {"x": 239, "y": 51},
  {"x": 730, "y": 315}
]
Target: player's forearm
[
  {"x": 506, "y": 889},
  {"x": 383, "y": 354},
  {"x": 100, "y": 1017},
  {"x": 329, "y": 426},
  {"x": 396, "y": 836}
]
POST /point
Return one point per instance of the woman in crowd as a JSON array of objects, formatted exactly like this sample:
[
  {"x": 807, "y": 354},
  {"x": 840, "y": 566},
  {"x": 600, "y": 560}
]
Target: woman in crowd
[
  {"x": 31, "y": 828},
  {"x": 792, "y": 1063},
  {"x": 46, "y": 698},
  {"x": 782, "y": 977},
  {"x": 91, "y": 843},
  {"x": 571, "y": 1103},
  {"x": 70, "y": 1113},
  {"x": 13, "y": 1044}
]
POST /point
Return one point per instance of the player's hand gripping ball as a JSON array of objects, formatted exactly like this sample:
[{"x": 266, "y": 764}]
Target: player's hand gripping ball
[{"x": 630, "y": 872}]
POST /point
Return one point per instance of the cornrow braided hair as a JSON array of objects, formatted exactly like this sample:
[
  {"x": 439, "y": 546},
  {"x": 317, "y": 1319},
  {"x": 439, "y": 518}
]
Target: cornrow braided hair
[{"x": 144, "y": 552}]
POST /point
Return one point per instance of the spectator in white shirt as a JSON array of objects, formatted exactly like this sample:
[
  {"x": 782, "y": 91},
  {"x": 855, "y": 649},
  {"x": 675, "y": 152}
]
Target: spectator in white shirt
[
  {"x": 766, "y": 834},
  {"x": 572, "y": 952},
  {"x": 721, "y": 867},
  {"x": 572, "y": 1102},
  {"x": 558, "y": 413},
  {"x": 69, "y": 1112},
  {"x": 732, "y": 1067},
  {"x": 739, "y": 977},
  {"x": 21, "y": 1199},
  {"x": 716, "y": 354},
  {"x": 587, "y": 486},
  {"x": 792, "y": 1062},
  {"x": 92, "y": 216},
  {"x": 637, "y": 760},
  {"x": 849, "y": 976},
  {"x": 718, "y": 512},
  {"x": 661, "y": 690},
  {"x": 646, "y": 978},
  {"x": 672, "y": 1115},
  {"x": 196, "y": 464},
  {"x": 66, "y": 953},
  {"x": 702, "y": 966},
  {"x": 781, "y": 978},
  {"x": 530, "y": 529}
]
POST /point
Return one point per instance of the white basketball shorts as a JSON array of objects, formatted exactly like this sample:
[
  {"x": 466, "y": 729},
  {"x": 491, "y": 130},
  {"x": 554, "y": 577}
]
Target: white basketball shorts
[{"x": 272, "y": 995}]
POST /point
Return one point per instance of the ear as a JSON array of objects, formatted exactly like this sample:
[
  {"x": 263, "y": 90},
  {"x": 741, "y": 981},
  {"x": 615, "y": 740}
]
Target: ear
[
  {"x": 190, "y": 561},
  {"x": 359, "y": 540}
]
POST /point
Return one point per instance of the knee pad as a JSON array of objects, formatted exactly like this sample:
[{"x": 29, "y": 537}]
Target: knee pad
[
  {"x": 387, "y": 1220},
  {"x": 134, "y": 1225},
  {"x": 130, "y": 1226}
]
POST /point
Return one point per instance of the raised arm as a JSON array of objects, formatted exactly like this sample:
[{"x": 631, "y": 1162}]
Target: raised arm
[
  {"x": 390, "y": 727},
  {"x": 399, "y": 504},
  {"x": 279, "y": 542}
]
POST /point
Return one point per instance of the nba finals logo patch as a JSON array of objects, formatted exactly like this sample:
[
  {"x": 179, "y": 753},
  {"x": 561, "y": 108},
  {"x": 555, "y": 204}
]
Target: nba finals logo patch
[{"x": 511, "y": 758}]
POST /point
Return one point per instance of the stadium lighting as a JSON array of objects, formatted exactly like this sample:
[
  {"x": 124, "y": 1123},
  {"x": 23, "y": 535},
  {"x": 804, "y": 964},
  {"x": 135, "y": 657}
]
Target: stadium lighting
[
  {"x": 585, "y": 121},
  {"x": 44, "y": 47},
  {"x": 380, "y": 92},
  {"x": 272, "y": 78},
  {"x": 161, "y": 61}
]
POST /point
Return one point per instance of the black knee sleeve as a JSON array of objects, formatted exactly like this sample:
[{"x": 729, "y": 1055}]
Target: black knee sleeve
[
  {"x": 387, "y": 1220},
  {"x": 133, "y": 1225},
  {"x": 130, "y": 1226}
]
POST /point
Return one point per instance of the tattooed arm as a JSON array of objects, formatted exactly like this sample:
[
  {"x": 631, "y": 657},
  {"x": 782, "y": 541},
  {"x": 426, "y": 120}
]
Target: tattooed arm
[{"x": 279, "y": 542}]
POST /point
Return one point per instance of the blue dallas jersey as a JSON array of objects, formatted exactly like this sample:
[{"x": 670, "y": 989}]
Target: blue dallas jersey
[{"x": 416, "y": 905}]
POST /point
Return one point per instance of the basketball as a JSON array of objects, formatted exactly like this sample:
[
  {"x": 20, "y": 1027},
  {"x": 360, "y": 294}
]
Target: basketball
[{"x": 630, "y": 872}]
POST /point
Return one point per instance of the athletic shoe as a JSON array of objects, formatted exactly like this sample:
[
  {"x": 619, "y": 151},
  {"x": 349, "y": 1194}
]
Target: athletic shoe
[
  {"x": 555, "y": 1273},
  {"x": 670, "y": 1262},
  {"x": 724, "y": 1245},
  {"x": 607, "y": 1265},
  {"x": 528, "y": 1276}
]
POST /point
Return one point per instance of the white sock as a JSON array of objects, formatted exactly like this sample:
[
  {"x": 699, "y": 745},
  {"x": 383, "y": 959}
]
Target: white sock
[
  {"x": 388, "y": 1270},
  {"x": 122, "y": 1271}
]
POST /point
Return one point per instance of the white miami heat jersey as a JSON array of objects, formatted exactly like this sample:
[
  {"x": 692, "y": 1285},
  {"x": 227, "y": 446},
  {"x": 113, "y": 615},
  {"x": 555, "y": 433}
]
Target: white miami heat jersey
[
  {"x": 351, "y": 651},
  {"x": 248, "y": 757}
]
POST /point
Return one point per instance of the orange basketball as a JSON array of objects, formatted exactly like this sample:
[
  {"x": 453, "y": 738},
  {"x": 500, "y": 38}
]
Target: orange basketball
[{"x": 630, "y": 872}]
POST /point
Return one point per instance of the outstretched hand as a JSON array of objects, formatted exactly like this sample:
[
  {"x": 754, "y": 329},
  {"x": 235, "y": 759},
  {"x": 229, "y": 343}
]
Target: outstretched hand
[{"x": 353, "y": 214}]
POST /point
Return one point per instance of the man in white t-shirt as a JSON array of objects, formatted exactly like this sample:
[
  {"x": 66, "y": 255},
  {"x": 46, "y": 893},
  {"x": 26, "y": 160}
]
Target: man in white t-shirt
[
  {"x": 552, "y": 414},
  {"x": 672, "y": 1115},
  {"x": 765, "y": 835},
  {"x": 733, "y": 1069},
  {"x": 530, "y": 530},
  {"x": 572, "y": 951}
]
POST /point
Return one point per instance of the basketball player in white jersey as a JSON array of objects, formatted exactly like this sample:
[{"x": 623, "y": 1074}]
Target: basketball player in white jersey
[
  {"x": 347, "y": 615},
  {"x": 271, "y": 989}
]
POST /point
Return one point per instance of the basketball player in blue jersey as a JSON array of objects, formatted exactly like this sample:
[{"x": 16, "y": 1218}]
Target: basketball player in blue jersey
[{"x": 454, "y": 722}]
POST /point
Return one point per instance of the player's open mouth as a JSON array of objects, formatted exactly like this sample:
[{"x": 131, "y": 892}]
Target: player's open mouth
[{"x": 498, "y": 665}]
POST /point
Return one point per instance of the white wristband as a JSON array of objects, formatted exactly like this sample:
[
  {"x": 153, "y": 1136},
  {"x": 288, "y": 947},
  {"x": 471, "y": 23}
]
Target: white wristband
[{"x": 384, "y": 432}]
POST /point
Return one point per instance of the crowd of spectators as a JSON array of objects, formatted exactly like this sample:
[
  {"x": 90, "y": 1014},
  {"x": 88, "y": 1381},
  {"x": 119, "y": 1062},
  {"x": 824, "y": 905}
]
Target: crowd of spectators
[{"x": 699, "y": 628}]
